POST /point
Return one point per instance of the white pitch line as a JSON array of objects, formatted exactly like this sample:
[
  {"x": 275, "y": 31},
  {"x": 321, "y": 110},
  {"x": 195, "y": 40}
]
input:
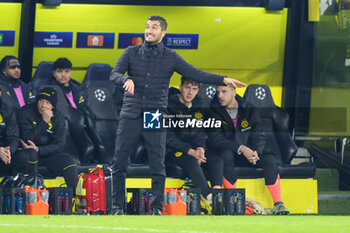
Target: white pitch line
[{"x": 96, "y": 228}]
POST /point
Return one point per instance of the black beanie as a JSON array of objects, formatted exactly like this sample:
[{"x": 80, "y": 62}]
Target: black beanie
[{"x": 49, "y": 94}]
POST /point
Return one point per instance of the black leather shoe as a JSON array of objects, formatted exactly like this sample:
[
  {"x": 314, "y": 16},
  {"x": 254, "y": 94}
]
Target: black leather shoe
[
  {"x": 116, "y": 210},
  {"x": 156, "y": 212}
]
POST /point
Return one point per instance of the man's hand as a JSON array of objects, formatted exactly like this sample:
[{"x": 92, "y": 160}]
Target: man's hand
[
  {"x": 5, "y": 154},
  {"x": 47, "y": 115},
  {"x": 201, "y": 151},
  {"x": 198, "y": 155},
  {"x": 30, "y": 145},
  {"x": 233, "y": 82},
  {"x": 129, "y": 86},
  {"x": 251, "y": 156}
]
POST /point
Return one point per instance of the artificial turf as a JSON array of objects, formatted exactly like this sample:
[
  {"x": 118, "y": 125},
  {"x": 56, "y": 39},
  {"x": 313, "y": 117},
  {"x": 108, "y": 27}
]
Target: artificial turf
[{"x": 184, "y": 224}]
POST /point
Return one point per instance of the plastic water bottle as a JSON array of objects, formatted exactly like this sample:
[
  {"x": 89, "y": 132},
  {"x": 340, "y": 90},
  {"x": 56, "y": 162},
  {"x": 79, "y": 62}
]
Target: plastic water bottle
[
  {"x": 19, "y": 204},
  {"x": 233, "y": 202},
  {"x": 8, "y": 205},
  {"x": 60, "y": 200},
  {"x": 194, "y": 204},
  {"x": 240, "y": 205},
  {"x": 148, "y": 203},
  {"x": 66, "y": 203},
  {"x": 189, "y": 203}
]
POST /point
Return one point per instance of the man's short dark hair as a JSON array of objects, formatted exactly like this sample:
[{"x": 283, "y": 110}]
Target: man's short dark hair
[
  {"x": 62, "y": 63},
  {"x": 5, "y": 61},
  {"x": 185, "y": 80},
  {"x": 162, "y": 21}
]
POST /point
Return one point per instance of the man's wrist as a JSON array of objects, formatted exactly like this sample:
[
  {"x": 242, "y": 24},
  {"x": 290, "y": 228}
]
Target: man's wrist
[{"x": 240, "y": 149}]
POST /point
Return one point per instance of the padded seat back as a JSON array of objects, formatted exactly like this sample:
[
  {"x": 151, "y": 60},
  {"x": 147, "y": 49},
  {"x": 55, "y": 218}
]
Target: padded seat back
[
  {"x": 97, "y": 72},
  {"x": 102, "y": 110},
  {"x": 206, "y": 93},
  {"x": 42, "y": 75},
  {"x": 275, "y": 123}
]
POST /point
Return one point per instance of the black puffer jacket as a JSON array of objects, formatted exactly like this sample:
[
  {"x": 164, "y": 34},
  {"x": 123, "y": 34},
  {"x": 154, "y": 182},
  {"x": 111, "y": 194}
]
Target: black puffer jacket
[
  {"x": 181, "y": 140},
  {"x": 73, "y": 86},
  {"x": 151, "y": 67},
  {"x": 9, "y": 83},
  {"x": 49, "y": 137},
  {"x": 8, "y": 128}
]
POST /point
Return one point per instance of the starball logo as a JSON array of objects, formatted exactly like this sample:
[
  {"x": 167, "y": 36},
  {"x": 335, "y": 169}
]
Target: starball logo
[{"x": 157, "y": 120}]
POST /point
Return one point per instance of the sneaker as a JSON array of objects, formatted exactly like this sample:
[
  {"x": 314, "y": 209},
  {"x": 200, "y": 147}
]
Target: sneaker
[
  {"x": 116, "y": 210},
  {"x": 205, "y": 206},
  {"x": 280, "y": 209},
  {"x": 156, "y": 212}
]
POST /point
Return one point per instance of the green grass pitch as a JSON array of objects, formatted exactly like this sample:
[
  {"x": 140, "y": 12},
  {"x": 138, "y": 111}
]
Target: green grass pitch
[{"x": 184, "y": 224}]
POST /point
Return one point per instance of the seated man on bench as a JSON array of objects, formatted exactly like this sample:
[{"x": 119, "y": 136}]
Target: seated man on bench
[
  {"x": 241, "y": 140},
  {"x": 186, "y": 147},
  {"x": 42, "y": 129}
]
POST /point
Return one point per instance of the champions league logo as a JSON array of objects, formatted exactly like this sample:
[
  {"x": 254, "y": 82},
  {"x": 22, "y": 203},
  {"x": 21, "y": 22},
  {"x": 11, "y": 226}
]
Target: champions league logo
[
  {"x": 100, "y": 95},
  {"x": 260, "y": 93},
  {"x": 210, "y": 92}
]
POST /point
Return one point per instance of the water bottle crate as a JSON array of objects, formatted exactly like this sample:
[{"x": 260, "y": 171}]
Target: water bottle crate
[
  {"x": 228, "y": 201},
  {"x": 13, "y": 201},
  {"x": 140, "y": 202},
  {"x": 60, "y": 200}
]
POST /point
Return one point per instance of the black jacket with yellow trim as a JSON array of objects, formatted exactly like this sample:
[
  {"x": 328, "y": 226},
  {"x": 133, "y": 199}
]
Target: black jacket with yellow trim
[
  {"x": 49, "y": 137},
  {"x": 9, "y": 84},
  {"x": 248, "y": 131},
  {"x": 181, "y": 140},
  {"x": 8, "y": 127}
]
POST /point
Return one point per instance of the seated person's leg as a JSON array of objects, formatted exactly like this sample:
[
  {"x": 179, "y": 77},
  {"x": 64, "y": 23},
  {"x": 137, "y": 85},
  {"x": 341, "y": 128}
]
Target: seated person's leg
[
  {"x": 272, "y": 181},
  {"x": 214, "y": 170},
  {"x": 268, "y": 163},
  {"x": 193, "y": 170},
  {"x": 230, "y": 175},
  {"x": 5, "y": 168},
  {"x": 30, "y": 156},
  {"x": 24, "y": 161},
  {"x": 62, "y": 164}
]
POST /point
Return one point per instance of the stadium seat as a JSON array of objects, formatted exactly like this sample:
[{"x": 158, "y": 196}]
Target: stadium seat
[
  {"x": 279, "y": 141},
  {"x": 97, "y": 74},
  {"x": 42, "y": 74},
  {"x": 101, "y": 108},
  {"x": 102, "y": 118}
]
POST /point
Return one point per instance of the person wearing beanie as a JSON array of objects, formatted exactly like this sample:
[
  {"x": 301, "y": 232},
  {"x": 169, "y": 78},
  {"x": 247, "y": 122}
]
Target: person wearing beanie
[
  {"x": 17, "y": 91},
  {"x": 42, "y": 137}
]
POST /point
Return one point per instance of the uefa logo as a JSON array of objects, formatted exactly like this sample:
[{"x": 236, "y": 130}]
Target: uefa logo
[{"x": 152, "y": 120}]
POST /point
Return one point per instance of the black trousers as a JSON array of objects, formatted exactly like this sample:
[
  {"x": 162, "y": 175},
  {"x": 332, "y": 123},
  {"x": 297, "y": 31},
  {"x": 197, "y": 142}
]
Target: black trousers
[
  {"x": 58, "y": 164},
  {"x": 213, "y": 168},
  {"x": 267, "y": 162},
  {"x": 18, "y": 164},
  {"x": 128, "y": 134}
]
